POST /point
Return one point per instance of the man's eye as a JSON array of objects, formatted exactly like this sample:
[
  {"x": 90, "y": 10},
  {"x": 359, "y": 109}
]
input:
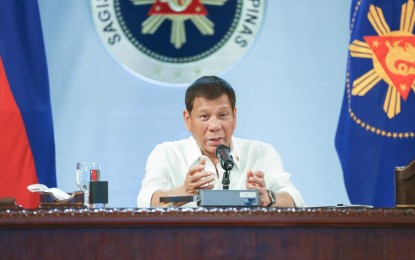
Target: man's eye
[
  {"x": 203, "y": 116},
  {"x": 223, "y": 115}
]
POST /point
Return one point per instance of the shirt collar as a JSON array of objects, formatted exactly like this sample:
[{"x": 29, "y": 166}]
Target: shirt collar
[
  {"x": 235, "y": 152},
  {"x": 194, "y": 153}
]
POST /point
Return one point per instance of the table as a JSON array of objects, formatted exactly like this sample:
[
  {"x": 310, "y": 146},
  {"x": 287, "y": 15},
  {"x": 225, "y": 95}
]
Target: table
[{"x": 208, "y": 233}]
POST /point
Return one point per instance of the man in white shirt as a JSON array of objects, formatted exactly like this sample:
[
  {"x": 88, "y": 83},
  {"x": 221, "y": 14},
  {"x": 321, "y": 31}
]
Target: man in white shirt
[{"x": 182, "y": 167}]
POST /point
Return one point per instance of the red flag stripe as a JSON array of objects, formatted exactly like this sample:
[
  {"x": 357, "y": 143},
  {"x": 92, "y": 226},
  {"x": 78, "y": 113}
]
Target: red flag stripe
[{"x": 16, "y": 159}]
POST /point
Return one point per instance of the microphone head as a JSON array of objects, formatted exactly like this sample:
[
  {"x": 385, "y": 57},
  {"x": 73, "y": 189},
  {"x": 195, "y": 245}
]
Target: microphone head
[
  {"x": 220, "y": 148},
  {"x": 227, "y": 165},
  {"x": 226, "y": 161}
]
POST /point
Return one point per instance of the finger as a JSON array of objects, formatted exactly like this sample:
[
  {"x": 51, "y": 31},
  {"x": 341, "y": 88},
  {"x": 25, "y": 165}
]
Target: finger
[
  {"x": 202, "y": 161},
  {"x": 204, "y": 181},
  {"x": 202, "y": 184},
  {"x": 259, "y": 178},
  {"x": 259, "y": 174},
  {"x": 207, "y": 187},
  {"x": 195, "y": 169},
  {"x": 249, "y": 174},
  {"x": 251, "y": 186},
  {"x": 195, "y": 185},
  {"x": 259, "y": 182},
  {"x": 252, "y": 181},
  {"x": 201, "y": 175}
]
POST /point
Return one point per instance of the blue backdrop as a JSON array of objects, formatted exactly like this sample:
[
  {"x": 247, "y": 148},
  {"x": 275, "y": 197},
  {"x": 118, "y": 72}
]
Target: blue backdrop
[{"x": 289, "y": 93}]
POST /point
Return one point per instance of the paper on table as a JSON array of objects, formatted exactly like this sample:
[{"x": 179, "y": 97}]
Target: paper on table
[{"x": 57, "y": 193}]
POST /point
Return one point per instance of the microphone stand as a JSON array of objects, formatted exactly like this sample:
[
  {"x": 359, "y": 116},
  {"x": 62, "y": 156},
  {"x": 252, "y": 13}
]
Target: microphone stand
[
  {"x": 225, "y": 180},
  {"x": 226, "y": 161}
]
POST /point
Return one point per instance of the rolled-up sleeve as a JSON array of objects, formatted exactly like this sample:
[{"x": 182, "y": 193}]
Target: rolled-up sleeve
[
  {"x": 156, "y": 178},
  {"x": 278, "y": 180}
]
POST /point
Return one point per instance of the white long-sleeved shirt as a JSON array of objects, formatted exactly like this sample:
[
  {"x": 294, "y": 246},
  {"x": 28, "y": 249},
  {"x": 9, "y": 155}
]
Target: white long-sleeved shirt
[{"x": 169, "y": 163}]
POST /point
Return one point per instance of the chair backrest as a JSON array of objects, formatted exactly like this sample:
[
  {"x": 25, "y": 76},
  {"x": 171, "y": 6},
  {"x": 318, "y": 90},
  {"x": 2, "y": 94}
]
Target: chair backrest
[{"x": 405, "y": 185}]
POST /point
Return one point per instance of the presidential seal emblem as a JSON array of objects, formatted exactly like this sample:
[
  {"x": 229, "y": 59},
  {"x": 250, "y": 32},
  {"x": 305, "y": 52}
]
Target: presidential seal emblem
[
  {"x": 174, "y": 42},
  {"x": 386, "y": 85}
]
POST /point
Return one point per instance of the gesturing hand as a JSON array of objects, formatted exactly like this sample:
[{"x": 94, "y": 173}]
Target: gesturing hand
[
  {"x": 255, "y": 181},
  {"x": 198, "y": 179}
]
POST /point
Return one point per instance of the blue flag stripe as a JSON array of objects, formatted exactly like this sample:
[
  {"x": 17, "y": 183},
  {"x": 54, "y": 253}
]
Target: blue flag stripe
[{"x": 23, "y": 54}]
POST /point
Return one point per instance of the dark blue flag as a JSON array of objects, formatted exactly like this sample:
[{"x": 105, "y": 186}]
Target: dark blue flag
[
  {"x": 27, "y": 149},
  {"x": 376, "y": 130}
]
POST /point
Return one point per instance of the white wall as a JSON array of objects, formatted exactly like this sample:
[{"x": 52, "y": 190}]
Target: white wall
[{"x": 289, "y": 91}]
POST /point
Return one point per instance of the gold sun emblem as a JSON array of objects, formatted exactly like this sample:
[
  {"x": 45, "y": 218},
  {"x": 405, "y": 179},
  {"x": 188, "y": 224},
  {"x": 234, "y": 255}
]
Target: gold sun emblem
[
  {"x": 178, "y": 11},
  {"x": 393, "y": 57}
]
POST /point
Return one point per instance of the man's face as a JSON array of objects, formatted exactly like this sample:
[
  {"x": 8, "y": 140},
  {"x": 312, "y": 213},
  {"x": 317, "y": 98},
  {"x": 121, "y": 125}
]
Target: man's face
[{"x": 211, "y": 123}]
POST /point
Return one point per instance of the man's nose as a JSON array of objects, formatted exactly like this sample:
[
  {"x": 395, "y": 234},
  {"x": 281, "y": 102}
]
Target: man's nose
[{"x": 214, "y": 124}]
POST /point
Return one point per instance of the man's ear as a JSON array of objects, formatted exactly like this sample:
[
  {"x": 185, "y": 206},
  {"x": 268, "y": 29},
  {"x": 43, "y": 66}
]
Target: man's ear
[{"x": 186, "y": 118}]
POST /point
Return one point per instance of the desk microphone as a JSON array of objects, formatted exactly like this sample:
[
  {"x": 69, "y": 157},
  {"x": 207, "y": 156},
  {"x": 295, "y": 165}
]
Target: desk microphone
[{"x": 226, "y": 160}]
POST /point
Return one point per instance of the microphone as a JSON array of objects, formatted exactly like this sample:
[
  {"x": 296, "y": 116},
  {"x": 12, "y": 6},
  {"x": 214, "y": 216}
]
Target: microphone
[{"x": 226, "y": 160}]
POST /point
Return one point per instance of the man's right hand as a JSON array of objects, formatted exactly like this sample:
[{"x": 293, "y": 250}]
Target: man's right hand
[{"x": 198, "y": 179}]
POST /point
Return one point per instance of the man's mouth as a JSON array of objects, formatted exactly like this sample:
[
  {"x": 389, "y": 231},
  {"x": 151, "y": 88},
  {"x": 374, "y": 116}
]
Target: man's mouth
[{"x": 215, "y": 140}]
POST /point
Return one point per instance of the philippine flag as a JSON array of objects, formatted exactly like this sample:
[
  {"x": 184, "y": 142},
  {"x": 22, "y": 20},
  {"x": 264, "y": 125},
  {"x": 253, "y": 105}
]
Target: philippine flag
[{"x": 27, "y": 148}]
